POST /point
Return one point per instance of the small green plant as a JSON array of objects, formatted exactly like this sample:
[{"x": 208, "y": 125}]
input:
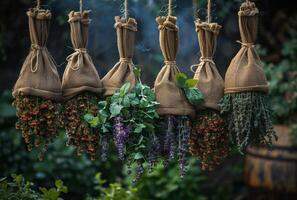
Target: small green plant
[
  {"x": 193, "y": 94},
  {"x": 19, "y": 188},
  {"x": 129, "y": 114},
  {"x": 114, "y": 191}
]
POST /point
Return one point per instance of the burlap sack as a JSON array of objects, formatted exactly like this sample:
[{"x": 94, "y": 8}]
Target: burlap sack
[
  {"x": 39, "y": 76},
  {"x": 245, "y": 72},
  {"x": 210, "y": 82},
  {"x": 80, "y": 74},
  {"x": 171, "y": 98},
  {"x": 122, "y": 72}
]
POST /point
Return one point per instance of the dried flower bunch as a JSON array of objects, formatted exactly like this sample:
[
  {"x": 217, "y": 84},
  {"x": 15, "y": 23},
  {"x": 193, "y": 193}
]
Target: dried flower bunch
[
  {"x": 80, "y": 133},
  {"x": 174, "y": 140},
  {"x": 129, "y": 114},
  {"x": 38, "y": 119},
  {"x": 81, "y": 86},
  {"x": 36, "y": 97},
  {"x": 209, "y": 140},
  {"x": 246, "y": 104},
  {"x": 249, "y": 117}
]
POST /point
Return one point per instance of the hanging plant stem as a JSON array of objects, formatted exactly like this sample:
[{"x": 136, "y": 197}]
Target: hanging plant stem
[
  {"x": 38, "y": 120},
  {"x": 175, "y": 141},
  {"x": 81, "y": 135},
  {"x": 248, "y": 116},
  {"x": 209, "y": 140}
]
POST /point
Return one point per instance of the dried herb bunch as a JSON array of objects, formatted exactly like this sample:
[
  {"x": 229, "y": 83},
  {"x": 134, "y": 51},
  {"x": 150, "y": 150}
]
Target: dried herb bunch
[
  {"x": 209, "y": 140},
  {"x": 129, "y": 114},
  {"x": 248, "y": 116},
  {"x": 174, "y": 140},
  {"x": 80, "y": 134},
  {"x": 38, "y": 120}
]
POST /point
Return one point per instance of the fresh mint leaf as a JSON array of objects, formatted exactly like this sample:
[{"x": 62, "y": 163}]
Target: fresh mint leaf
[
  {"x": 125, "y": 89},
  {"x": 194, "y": 96},
  {"x": 191, "y": 83},
  {"x": 115, "y": 109},
  {"x": 181, "y": 79},
  {"x": 88, "y": 117}
]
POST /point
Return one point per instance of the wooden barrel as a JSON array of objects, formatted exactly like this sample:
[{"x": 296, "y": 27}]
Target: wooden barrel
[{"x": 273, "y": 168}]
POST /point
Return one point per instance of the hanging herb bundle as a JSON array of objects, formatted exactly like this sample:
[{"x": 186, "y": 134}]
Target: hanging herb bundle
[
  {"x": 174, "y": 106},
  {"x": 209, "y": 139},
  {"x": 38, "y": 88},
  {"x": 123, "y": 71},
  {"x": 81, "y": 87},
  {"x": 245, "y": 103},
  {"x": 130, "y": 115}
]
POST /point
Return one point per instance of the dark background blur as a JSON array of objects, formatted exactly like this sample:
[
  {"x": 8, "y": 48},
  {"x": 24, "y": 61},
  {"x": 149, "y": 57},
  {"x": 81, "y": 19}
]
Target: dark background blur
[{"x": 277, "y": 45}]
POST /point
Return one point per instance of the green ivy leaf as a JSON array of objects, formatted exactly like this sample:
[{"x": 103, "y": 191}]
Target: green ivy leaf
[
  {"x": 115, "y": 109},
  {"x": 194, "y": 95}
]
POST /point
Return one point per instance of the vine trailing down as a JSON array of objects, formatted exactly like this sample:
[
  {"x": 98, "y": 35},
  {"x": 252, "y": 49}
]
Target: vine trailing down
[
  {"x": 245, "y": 104},
  {"x": 36, "y": 98},
  {"x": 129, "y": 114}
]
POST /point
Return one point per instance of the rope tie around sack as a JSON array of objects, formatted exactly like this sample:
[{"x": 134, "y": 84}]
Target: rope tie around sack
[
  {"x": 37, "y": 49},
  {"x": 79, "y": 53},
  {"x": 246, "y": 44},
  {"x": 170, "y": 62},
  {"x": 126, "y": 60},
  {"x": 199, "y": 66}
]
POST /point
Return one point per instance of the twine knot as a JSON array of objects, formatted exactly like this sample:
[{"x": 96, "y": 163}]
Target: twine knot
[
  {"x": 199, "y": 66},
  {"x": 36, "y": 47},
  {"x": 246, "y": 44},
  {"x": 79, "y": 53},
  {"x": 35, "y": 60},
  {"x": 126, "y": 60},
  {"x": 170, "y": 62}
]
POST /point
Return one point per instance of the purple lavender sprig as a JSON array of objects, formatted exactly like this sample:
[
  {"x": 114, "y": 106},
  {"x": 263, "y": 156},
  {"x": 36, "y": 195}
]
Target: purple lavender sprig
[
  {"x": 139, "y": 170},
  {"x": 154, "y": 152},
  {"x": 121, "y": 135},
  {"x": 183, "y": 147}
]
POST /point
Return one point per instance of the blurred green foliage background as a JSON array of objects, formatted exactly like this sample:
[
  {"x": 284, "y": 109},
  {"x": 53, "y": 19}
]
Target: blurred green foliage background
[{"x": 88, "y": 179}]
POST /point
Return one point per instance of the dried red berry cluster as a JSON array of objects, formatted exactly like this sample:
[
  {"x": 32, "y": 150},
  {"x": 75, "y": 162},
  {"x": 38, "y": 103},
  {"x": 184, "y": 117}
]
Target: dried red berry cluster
[
  {"x": 209, "y": 139},
  {"x": 80, "y": 133},
  {"x": 38, "y": 120}
]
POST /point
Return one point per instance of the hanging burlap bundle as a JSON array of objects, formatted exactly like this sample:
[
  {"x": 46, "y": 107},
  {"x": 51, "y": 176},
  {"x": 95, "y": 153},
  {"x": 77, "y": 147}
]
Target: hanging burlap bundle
[
  {"x": 245, "y": 72},
  {"x": 38, "y": 87},
  {"x": 81, "y": 88},
  {"x": 210, "y": 82},
  {"x": 122, "y": 72},
  {"x": 171, "y": 98},
  {"x": 208, "y": 139},
  {"x": 80, "y": 74},
  {"x": 246, "y": 104},
  {"x": 39, "y": 76},
  {"x": 174, "y": 107}
]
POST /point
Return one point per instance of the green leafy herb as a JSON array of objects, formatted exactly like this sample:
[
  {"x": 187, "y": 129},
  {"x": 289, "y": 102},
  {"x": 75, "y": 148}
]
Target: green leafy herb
[{"x": 193, "y": 94}]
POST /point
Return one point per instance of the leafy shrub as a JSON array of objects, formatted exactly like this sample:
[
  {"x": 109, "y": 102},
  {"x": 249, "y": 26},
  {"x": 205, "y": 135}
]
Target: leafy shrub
[{"x": 19, "y": 188}]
